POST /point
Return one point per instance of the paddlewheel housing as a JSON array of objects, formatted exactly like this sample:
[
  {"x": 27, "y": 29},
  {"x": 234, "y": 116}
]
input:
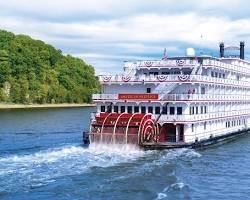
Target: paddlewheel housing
[{"x": 124, "y": 128}]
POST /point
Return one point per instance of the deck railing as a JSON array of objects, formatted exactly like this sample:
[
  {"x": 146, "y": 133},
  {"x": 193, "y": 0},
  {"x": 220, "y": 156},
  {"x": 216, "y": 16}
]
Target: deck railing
[
  {"x": 126, "y": 79},
  {"x": 201, "y": 117},
  {"x": 237, "y": 66},
  {"x": 181, "y": 97},
  {"x": 196, "y": 117}
]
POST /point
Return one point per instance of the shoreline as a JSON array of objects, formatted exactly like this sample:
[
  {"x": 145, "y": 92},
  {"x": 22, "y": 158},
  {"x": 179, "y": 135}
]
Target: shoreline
[{"x": 61, "y": 105}]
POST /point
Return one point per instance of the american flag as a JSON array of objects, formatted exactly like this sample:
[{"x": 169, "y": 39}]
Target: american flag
[{"x": 165, "y": 56}]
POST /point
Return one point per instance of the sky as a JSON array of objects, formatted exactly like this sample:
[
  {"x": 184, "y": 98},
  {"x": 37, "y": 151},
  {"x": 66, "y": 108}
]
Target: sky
[{"x": 104, "y": 33}]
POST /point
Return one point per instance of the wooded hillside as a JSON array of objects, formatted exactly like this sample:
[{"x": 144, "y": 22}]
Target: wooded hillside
[{"x": 34, "y": 72}]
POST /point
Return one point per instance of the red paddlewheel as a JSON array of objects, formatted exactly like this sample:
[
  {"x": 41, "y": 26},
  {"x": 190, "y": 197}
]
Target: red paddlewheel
[
  {"x": 124, "y": 128},
  {"x": 149, "y": 131}
]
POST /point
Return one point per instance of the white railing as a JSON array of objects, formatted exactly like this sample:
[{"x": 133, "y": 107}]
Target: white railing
[
  {"x": 118, "y": 79},
  {"x": 238, "y": 66},
  {"x": 140, "y": 79},
  {"x": 207, "y": 116},
  {"x": 203, "y": 97},
  {"x": 105, "y": 96},
  {"x": 162, "y": 63},
  {"x": 230, "y": 67},
  {"x": 182, "y": 97}
]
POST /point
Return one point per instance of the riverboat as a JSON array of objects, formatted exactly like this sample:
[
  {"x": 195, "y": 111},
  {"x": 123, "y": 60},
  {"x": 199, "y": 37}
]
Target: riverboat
[{"x": 182, "y": 101}]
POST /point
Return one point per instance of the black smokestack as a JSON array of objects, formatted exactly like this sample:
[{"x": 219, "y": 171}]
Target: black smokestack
[
  {"x": 242, "y": 50},
  {"x": 221, "y": 49}
]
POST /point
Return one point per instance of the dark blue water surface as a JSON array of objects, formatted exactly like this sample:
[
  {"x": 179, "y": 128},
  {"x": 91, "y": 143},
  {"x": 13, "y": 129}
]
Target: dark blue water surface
[{"x": 41, "y": 157}]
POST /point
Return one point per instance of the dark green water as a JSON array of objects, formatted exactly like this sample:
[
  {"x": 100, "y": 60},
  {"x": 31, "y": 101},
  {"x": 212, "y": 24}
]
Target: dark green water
[{"x": 41, "y": 157}]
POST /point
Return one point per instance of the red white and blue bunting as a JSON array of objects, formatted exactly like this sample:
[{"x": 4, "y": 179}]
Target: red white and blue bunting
[
  {"x": 126, "y": 78},
  {"x": 162, "y": 78},
  {"x": 106, "y": 78},
  {"x": 148, "y": 63},
  {"x": 183, "y": 77},
  {"x": 180, "y": 62}
]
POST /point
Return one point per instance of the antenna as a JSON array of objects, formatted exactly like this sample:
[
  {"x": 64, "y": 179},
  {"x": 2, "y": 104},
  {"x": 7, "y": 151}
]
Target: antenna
[{"x": 201, "y": 50}]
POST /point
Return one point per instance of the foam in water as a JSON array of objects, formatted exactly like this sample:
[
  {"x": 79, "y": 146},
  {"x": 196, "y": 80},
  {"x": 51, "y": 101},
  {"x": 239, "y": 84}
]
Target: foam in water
[
  {"x": 174, "y": 188},
  {"x": 45, "y": 166},
  {"x": 156, "y": 159},
  {"x": 161, "y": 196},
  {"x": 41, "y": 168}
]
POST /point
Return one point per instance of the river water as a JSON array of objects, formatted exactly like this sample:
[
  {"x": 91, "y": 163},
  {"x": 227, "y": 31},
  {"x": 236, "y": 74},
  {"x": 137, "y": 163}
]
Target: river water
[{"x": 42, "y": 157}]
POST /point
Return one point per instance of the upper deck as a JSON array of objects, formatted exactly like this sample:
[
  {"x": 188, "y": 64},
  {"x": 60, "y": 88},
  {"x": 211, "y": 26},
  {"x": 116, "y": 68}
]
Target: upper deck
[
  {"x": 179, "y": 76},
  {"x": 135, "y": 71}
]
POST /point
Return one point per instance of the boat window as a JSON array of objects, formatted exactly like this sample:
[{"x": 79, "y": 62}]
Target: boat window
[
  {"x": 192, "y": 110},
  {"x": 116, "y": 109},
  {"x": 219, "y": 75},
  {"x": 136, "y": 109},
  {"x": 150, "y": 109},
  {"x": 171, "y": 110},
  {"x": 197, "y": 110},
  {"x": 122, "y": 109},
  {"x": 203, "y": 90},
  {"x": 143, "y": 109},
  {"x": 216, "y": 74},
  {"x": 223, "y": 75},
  {"x": 179, "y": 110},
  {"x": 192, "y": 127},
  {"x": 156, "y": 73},
  {"x": 148, "y": 90},
  {"x": 109, "y": 109},
  {"x": 129, "y": 109},
  {"x": 164, "y": 110},
  {"x": 201, "y": 109},
  {"x": 212, "y": 74},
  {"x": 157, "y": 110},
  {"x": 205, "y": 125},
  {"x": 102, "y": 108},
  {"x": 205, "y": 109}
]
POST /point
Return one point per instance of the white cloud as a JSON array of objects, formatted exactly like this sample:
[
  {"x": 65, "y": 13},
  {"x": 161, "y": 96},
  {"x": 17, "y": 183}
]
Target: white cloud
[{"x": 107, "y": 32}]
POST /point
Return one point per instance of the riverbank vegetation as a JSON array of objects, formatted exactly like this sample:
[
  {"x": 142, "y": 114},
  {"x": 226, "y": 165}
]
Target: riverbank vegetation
[{"x": 33, "y": 72}]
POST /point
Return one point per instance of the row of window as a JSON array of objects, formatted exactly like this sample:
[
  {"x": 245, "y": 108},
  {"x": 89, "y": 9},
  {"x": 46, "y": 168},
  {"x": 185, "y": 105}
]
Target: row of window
[
  {"x": 228, "y": 124},
  {"x": 234, "y": 123},
  {"x": 167, "y": 73},
  {"x": 205, "y": 126},
  {"x": 195, "y": 110},
  {"x": 144, "y": 109},
  {"x": 217, "y": 74}
]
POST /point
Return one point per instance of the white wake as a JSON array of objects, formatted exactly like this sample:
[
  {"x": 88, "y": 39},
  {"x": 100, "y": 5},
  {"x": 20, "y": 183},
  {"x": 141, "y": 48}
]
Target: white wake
[{"x": 44, "y": 167}]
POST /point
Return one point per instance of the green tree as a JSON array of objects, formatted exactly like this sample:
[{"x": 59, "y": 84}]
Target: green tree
[{"x": 39, "y": 73}]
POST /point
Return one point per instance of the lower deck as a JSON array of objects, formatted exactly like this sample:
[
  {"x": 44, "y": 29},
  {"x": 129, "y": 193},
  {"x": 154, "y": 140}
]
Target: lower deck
[
  {"x": 196, "y": 144},
  {"x": 147, "y": 132}
]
